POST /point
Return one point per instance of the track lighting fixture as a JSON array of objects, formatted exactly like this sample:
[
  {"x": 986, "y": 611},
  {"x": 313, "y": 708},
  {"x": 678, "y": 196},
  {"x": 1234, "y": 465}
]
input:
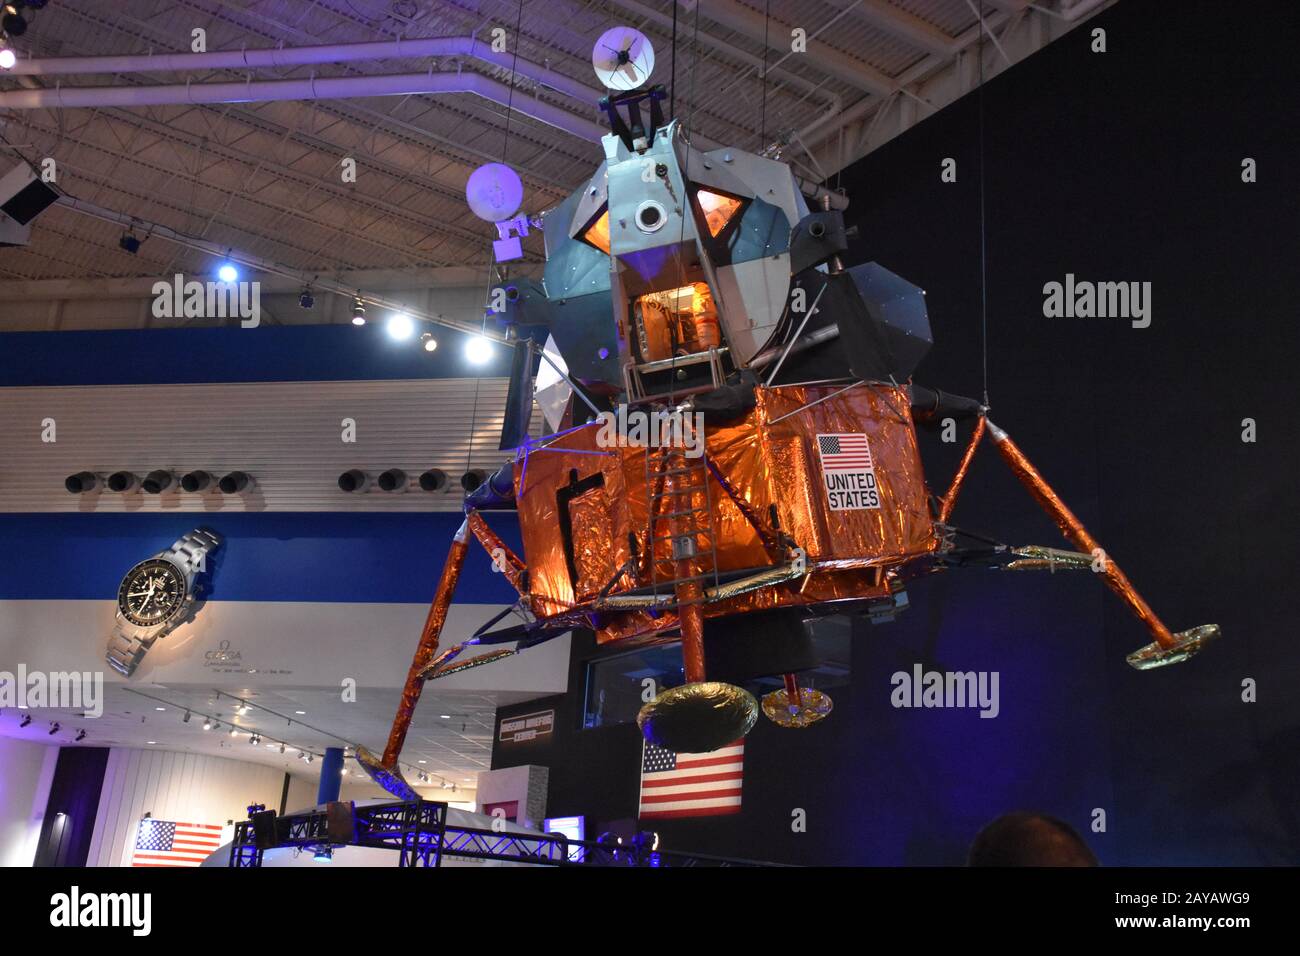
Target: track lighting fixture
[
  {"x": 12, "y": 22},
  {"x": 121, "y": 481},
  {"x": 54, "y": 727},
  {"x": 354, "y": 480},
  {"x": 435, "y": 479},
  {"x": 394, "y": 479},
  {"x": 156, "y": 482},
  {"x": 358, "y": 312},
  {"x": 305, "y": 299},
  {"x": 129, "y": 242},
  {"x": 81, "y": 735},
  {"x": 27, "y": 719},
  {"x": 195, "y": 481},
  {"x": 235, "y": 482},
  {"x": 186, "y": 718},
  {"x": 81, "y": 483}
]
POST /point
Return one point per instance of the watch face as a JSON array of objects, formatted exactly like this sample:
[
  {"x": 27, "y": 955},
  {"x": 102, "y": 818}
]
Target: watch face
[{"x": 151, "y": 592}]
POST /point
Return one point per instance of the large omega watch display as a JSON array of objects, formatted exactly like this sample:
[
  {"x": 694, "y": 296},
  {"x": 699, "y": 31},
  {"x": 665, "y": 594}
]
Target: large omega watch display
[{"x": 156, "y": 596}]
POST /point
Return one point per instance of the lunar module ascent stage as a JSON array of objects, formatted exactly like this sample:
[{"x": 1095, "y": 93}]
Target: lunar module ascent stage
[{"x": 695, "y": 290}]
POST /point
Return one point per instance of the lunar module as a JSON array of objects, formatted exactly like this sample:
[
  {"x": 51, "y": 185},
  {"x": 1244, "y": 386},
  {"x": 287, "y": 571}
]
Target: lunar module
[{"x": 730, "y": 447}]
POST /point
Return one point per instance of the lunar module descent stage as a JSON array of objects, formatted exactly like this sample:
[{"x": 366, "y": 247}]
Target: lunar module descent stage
[{"x": 690, "y": 286}]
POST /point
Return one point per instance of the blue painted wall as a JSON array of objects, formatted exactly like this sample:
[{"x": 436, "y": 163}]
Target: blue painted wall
[
  {"x": 297, "y": 353},
  {"x": 288, "y": 556}
]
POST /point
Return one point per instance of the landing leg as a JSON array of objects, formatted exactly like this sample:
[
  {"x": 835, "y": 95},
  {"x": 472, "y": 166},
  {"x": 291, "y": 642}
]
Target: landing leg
[
  {"x": 1168, "y": 648},
  {"x": 385, "y": 770}
]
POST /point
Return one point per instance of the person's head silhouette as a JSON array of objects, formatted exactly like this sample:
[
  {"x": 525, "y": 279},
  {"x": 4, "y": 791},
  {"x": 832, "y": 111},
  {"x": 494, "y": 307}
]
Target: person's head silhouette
[{"x": 1029, "y": 839}]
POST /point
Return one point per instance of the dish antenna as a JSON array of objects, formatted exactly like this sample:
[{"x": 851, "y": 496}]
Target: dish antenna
[
  {"x": 623, "y": 58},
  {"x": 494, "y": 192}
]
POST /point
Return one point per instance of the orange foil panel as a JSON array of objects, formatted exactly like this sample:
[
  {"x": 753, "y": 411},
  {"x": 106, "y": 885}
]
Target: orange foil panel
[{"x": 847, "y": 476}]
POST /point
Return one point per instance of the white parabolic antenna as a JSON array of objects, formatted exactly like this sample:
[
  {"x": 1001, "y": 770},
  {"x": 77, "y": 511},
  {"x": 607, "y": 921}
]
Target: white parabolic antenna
[
  {"x": 494, "y": 192},
  {"x": 623, "y": 58}
]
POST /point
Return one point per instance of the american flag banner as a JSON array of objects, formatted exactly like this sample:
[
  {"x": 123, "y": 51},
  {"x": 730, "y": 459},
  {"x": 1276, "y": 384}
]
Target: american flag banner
[
  {"x": 690, "y": 785},
  {"x": 844, "y": 452},
  {"x": 162, "y": 843}
]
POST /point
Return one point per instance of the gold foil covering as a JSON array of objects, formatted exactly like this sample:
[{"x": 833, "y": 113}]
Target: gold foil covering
[
  {"x": 699, "y": 717},
  {"x": 769, "y": 457},
  {"x": 813, "y": 705}
]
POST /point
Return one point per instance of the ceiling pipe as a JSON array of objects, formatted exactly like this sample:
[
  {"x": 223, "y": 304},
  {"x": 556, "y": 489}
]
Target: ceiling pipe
[
  {"x": 312, "y": 88},
  {"x": 310, "y": 56},
  {"x": 326, "y": 88},
  {"x": 776, "y": 35},
  {"x": 830, "y": 98}
]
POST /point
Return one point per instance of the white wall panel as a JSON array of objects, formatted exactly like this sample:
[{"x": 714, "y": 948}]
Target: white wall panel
[
  {"x": 286, "y": 434},
  {"x": 185, "y": 787},
  {"x": 26, "y": 772}
]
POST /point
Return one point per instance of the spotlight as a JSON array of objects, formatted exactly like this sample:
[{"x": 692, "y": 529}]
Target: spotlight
[
  {"x": 400, "y": 326},
  {"x": 281, "y": 748},
  {"x": 234, "y": 731},
  {"x": 473, "y": 478},
  {"x": 235, "y": 482},
  {"x": 430, "y": 343},
  {"x": 354, "y": 480},
  {"x": 358, "y": 312},
  {"x": 121, "y": 481},
  {"x": 81, "y": 735},
  {"x": 156, "y": 482},
  {"x": 311, "y": 757},
  {"x": 7, "y": 59},
  {"x": 186, "y": 718},
  {"x": 305, "y": 298},
  {"x": 323, "y": 854},
  {"x": 129, "y": 242},
  {"x": 81, "y": 482},
  {"x": 54, "y": 727},
  {"x": 27, "y": 719},
  {"x": 243, "y": 709},
  {"x": 227, "y": 272},
  {"x": 434, "y": 479},
  {"x": 13, "y": 23},
  {"x": 195, "y": 481},
  {"x": 394, "y": 479},
  {"x": 207, "y": 724},
  {"x": 253, "y": 739},
  {"x": 478, "y": 350}
]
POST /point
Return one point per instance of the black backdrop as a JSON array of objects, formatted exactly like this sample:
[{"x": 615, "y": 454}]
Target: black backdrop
[{"x": 1122, "y": 166}]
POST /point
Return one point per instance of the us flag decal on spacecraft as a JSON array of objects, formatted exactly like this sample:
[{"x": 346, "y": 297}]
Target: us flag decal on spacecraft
[{"x": 848, "y": 472}]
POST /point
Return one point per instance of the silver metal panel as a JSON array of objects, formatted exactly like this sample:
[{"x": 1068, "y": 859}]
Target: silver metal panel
[
  {"x": 752, "y": 297},
  {"x": 287, "y": 435}
]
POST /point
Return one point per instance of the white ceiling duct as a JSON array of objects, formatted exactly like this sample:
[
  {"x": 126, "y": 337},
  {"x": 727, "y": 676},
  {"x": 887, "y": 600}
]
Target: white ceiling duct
[
  {"x": 309, "y": 56},
  {"x": 312, "y": 88}
]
